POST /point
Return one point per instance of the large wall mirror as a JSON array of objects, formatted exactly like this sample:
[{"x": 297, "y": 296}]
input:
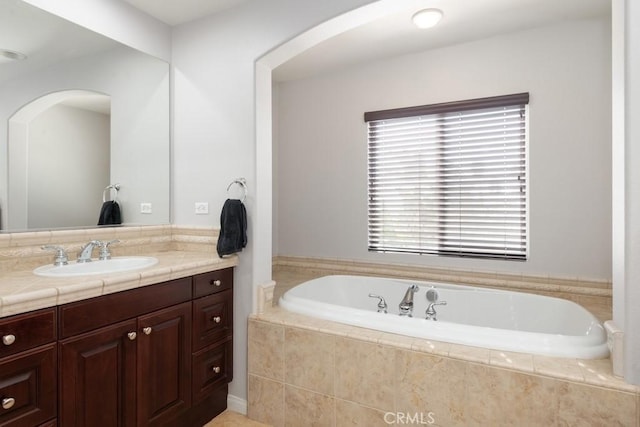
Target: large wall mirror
[{"x": 79, "y": 113}]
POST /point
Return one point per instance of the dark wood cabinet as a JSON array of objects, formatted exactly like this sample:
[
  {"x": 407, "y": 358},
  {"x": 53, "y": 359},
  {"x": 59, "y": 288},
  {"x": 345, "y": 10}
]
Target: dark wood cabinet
[
  {"x": 164, "y": 365},
  {"x": 212, "y": 319},
  {"x": 28, "y": 369},
  {"x": 98, "y": 377},
  {"x": 152, "y": 356},
  {"x": 28, "y": 387},
  {"x": 25, "y": 331}
]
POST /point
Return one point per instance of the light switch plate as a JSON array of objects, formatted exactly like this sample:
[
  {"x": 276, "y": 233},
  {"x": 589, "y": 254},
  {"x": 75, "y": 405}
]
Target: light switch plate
[
  {"x": 202, "y": 208},
  {"x": 145, "y": 208}
]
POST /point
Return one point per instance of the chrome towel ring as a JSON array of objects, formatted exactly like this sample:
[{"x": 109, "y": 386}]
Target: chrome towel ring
[
  {"x": 107, "y": 190},
  {"x": 243, "y": 184}
]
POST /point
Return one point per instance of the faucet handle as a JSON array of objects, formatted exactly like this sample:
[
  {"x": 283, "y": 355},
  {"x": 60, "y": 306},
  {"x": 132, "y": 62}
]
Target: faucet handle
[
  {"x": 61, "y": 255},
  {"x": 431, "y": 311},
  {"x": 382, "y": 304},
  {"x": 105, "y": 253}
]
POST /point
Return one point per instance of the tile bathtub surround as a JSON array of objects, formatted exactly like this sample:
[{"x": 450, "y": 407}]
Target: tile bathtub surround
[{"x": 308, "y": 375}]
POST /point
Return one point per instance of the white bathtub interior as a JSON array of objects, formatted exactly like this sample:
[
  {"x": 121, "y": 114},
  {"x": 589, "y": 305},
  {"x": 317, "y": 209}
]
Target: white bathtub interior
[{"x": 482, "y": 317}]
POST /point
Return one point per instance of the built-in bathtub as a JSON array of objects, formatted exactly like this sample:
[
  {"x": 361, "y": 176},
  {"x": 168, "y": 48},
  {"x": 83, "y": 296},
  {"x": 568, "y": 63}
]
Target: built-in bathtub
[{"x": 480, "y": 317}]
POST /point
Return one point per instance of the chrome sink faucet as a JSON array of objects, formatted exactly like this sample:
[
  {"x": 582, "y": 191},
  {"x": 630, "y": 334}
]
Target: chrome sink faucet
[
  {"x": 105, "y": 253},
  {"x": 61, "y": 256},
  {"x": 85, "y": 253},
  {"x": 406, "y": 305}
]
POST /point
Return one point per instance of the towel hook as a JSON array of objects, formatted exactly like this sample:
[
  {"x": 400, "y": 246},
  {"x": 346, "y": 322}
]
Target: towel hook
[
  {"x": 242, "y": 183},
  {"x": 108, "y": 188}
]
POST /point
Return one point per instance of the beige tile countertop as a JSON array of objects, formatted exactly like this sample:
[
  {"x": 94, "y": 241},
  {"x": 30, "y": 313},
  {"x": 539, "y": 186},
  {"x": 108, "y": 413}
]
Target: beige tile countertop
[{"x": 22, "y": 291}]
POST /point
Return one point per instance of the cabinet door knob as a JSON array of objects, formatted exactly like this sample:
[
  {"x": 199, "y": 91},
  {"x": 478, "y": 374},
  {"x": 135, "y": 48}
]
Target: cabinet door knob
[
  {"x": 132, "y": 335},
  {"x": 147, "y": 330},
  {"x": 8, "y": 402},
  {"x": 216, "y": 282},
  {"x": 216, "y": 369},
  {"x": 216, "y": 319},
  {"x": 8, "y": 339}
]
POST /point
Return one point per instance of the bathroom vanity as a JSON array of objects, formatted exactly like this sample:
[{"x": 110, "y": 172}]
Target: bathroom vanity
[{"x": 159, "y": 354}]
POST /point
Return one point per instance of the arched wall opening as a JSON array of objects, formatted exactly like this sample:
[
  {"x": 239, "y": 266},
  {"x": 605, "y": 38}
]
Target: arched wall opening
[{"x": 263, "y": 119}]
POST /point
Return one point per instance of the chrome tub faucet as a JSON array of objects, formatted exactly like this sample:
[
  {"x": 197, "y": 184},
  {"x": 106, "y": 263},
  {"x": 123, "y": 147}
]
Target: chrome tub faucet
[{"x": 406, "y": 305}]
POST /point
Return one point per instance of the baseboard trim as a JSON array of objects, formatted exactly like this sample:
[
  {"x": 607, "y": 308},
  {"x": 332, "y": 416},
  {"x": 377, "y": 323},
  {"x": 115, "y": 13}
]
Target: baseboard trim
[{"x": 236, "y": 404}]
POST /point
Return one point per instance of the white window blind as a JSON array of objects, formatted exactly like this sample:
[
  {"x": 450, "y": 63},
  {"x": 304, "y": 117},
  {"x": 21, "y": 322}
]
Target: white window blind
[{"x": 450, "y": 179}]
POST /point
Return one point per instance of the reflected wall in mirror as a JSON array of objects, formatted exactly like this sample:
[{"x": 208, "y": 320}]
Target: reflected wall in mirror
[
  {"x": 65, "y": 61},
  {"x": 53, "y": 141}
]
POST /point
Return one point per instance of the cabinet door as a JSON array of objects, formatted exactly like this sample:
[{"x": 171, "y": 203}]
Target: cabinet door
[
  {"x": 28, "y": 387},
  {"x": 164, "y": 364},
  {"x": 98, "y": 377}
]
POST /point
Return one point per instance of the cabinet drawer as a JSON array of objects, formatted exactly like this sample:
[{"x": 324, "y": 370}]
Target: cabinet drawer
[
  {"x": 83, "y": 316},
  {"x": 210, "y": 283},
  {"x": 212, "y": 319},
  {"x": 28, "y": 387},
  {"x": 26, "y": 331},
  {"x": 212, "y": 367}
]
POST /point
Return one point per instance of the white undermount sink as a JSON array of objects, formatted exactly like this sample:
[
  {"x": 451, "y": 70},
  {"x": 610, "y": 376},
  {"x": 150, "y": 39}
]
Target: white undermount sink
[{"x": 113, "y": 265}]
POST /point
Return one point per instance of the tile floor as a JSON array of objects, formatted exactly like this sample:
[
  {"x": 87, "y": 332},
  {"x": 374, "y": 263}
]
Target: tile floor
[{"x": 233, "y": 419}]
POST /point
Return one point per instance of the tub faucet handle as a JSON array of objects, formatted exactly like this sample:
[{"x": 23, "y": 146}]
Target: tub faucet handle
[
  {"x": 382, "y": 304},
  {"x": 431, "y": 311}
]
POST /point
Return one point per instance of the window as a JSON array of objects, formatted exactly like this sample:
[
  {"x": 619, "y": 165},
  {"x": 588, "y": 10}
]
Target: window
[{"x": 450, "y": 179}]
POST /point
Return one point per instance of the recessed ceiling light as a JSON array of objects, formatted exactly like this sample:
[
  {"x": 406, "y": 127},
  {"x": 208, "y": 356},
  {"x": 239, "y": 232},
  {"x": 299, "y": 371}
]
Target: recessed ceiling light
[
  {"x": 10, "y": 55},
  {"x": 427, "y": 18}
]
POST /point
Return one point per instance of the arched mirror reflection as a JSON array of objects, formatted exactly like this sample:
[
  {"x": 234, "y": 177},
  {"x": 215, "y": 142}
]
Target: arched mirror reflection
[{"x": 59, "y": 160}]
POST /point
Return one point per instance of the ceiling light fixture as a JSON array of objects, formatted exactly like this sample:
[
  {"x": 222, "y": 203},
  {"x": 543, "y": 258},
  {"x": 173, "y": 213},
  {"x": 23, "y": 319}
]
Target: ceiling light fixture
[
  {"x": 427, "y": 18},
  {"x": 10, "y": 55}
]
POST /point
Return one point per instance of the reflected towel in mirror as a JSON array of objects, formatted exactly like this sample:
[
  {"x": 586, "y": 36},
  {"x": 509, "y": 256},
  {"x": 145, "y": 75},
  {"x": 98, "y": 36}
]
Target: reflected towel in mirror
[{"x": 110, "y": 213}]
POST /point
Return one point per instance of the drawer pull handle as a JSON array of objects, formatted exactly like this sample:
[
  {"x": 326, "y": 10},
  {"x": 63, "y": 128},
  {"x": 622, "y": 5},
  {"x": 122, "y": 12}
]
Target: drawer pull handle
[
  {"x": 216, "y": 319},
  {"x": 215, "y": 282},
  {"x": 8, "y": 339},
  {"x": 147, "y": 330},
  {"x": 132, "y": 335},
  {"x": 216, "y": 369},
  {"x": 8, "y": 402}
]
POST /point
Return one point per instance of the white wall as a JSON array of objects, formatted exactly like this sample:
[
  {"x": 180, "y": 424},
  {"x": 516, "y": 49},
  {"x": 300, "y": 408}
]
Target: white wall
[
  {"x": 214, "y": 128},
  {"x": 56, "y": 195},
  {"x": 631, "y": 221},
  {"x": 117, "y": 20},
  {"x": 322, "y": 163}
]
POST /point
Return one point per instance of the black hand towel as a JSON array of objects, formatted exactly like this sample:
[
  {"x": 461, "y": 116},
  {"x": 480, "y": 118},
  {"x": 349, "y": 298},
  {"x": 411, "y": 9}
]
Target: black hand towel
[
  {"x": 110, "y": 213},
  {"x": 233, "y": 228}
]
